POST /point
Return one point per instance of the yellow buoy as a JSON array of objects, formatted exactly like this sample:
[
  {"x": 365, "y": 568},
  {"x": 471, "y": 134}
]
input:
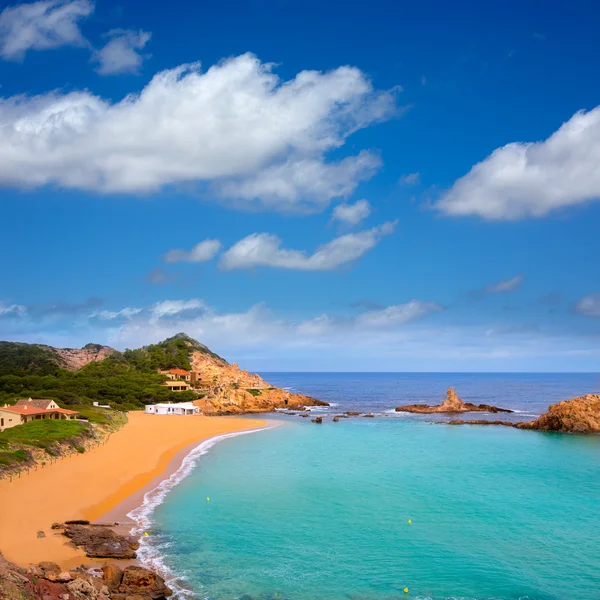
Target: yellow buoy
[
  {"x": 145, "y": 534},
  {"x": 406, "y": 590},
  {"x": 207, "y": 499},
  {"x": 409, "y": 521}
]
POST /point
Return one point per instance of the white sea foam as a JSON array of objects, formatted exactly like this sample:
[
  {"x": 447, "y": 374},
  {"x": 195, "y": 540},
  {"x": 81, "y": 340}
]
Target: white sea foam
[{"x": 150, "y": 554}]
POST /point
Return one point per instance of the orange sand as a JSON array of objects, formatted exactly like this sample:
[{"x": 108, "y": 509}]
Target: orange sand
[{"x": 90, "y": 485}]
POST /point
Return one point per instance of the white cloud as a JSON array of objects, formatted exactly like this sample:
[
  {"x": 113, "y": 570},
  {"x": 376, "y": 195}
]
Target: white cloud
[
  {"x": 12, "y": 310},
  {"x": 236, "y": 126},
  {"x": 589, "y": 305},
  {"x": 42, "y": 26},
  {"x": 175, "y": 308},
  {"x": 523, "y": 180},
  {"x": 124, "y": 313},
  {"x": 264, "y": 249},
  {"x": 410, "y": 179},
  {"x": 396, "y": 315},
  {"x": 508, "y": 285},
  {"x": 122, "y": 53},
  {"x": 352, "y": 214},
  {"x": 202, "y": 252},
  {"x": 308, "y": 182}
]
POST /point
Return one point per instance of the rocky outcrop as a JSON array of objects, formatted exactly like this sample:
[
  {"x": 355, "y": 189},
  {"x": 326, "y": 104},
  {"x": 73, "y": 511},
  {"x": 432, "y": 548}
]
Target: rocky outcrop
[
  {"x": 74, "y": 358},
  {"x": 46, "y": 581},
  {"x": 227, "y": 389},
  {"x": 480, "y": 422},
  {"x": 579, "y": 415},
  {"x": 452, "y": 404},
  {"x": 99, "y": 541}
]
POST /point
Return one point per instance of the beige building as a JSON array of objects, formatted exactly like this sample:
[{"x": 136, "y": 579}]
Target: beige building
[
  {"x": 31, "y": 410},
  {"x": 177, "y": 386}
]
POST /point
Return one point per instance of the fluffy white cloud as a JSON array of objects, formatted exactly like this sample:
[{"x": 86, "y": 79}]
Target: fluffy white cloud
[
  {"x": 523, "y": 180},
  {"x": 308, "y": 182},
  {"x": 235, "y": 126},
  {"x": 122, "y": 52},
  {"x": 352, "y": 214},
  {"x": 264, "y": 250},
  {"x": 41, "y": 26},
  {"x": 589, "y": 305},
  {"x": 201, "y": 252},
  {"x": 509, "y": 285}
]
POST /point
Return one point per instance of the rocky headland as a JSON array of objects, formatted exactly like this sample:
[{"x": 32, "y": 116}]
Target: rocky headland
[
  {"x": 579, "y": 415},
  {"x": 452, "y": 404}
]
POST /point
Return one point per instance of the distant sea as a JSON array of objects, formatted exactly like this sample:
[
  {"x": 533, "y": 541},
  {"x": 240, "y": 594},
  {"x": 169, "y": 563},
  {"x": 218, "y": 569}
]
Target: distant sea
[{"x": 366, "y": 508}]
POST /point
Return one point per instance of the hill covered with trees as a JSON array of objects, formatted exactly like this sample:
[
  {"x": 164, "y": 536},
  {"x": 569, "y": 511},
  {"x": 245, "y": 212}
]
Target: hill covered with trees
[{"x": 125, "y": 380}]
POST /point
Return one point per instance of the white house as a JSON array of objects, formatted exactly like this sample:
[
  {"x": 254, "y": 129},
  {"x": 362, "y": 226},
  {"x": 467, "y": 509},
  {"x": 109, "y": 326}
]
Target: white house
[{"x": 179, "y": 408}]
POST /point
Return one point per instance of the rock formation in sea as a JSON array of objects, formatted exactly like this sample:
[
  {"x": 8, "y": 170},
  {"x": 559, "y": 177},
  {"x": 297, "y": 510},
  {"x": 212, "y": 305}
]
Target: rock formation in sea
[
  {"x": 579, "y": 415},
  {"x": 47, "y": 581},
  {"x": 452, "y": 404}
]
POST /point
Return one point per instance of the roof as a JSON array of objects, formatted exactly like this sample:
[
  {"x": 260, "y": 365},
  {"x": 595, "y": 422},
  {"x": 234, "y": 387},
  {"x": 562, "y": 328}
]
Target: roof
[
  {"x": 64, "y": 411},
  {"x": 26, "y": 410},
  {"x": 179, "y": 372},
  {"x": 38, "y": 403},
  {"x": 32, "y": 410}
]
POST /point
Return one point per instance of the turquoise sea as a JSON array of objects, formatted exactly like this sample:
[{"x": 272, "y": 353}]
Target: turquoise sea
[{"x": 303, "y": 511}]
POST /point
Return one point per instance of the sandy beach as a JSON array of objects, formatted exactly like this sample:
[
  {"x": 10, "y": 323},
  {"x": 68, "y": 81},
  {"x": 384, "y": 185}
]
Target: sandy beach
[{"x": 103, "y": 483}]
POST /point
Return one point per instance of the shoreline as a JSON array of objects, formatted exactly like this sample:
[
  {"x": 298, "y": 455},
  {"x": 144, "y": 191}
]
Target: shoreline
[{"x": 103, "y": 485}]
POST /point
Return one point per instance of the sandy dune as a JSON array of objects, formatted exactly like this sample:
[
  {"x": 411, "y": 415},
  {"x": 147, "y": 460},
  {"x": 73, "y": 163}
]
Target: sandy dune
[{"x": 97, "y": 483}]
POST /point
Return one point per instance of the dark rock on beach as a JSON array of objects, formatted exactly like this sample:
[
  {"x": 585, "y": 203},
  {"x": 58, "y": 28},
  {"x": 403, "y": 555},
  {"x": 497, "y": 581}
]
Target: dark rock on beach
[
  {"x": 452, "y": 404},
  {"x": 100, "y": 541}
]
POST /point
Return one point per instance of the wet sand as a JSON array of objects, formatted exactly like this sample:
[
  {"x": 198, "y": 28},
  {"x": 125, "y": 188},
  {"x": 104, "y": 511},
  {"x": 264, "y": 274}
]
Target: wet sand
[{"x": 104, "y": 483}]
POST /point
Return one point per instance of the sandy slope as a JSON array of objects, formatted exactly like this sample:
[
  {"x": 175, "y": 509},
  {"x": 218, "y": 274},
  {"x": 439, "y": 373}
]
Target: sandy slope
[{"x": 91, "y": 485}]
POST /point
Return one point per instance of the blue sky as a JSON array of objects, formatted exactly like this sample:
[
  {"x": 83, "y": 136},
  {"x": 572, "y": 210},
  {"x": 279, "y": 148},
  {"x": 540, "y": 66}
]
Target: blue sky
[{"x": 350, "y": 187}]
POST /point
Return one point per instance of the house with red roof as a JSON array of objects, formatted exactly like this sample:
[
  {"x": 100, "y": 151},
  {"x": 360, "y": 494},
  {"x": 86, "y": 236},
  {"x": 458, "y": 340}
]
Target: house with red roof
[{"x": 27, "y": 410}]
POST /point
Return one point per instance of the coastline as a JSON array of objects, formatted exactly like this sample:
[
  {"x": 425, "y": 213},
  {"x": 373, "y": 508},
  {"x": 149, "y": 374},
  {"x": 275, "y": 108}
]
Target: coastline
[{"x": 101, "y": 485}]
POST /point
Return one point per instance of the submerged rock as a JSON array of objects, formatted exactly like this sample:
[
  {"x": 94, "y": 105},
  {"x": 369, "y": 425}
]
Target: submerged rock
[
  {"x": 452, "y": 404},
  {"x": 480, "y": 422},
  {"x": 335, "y": 419},
  {"x": 317, "y": 420}
]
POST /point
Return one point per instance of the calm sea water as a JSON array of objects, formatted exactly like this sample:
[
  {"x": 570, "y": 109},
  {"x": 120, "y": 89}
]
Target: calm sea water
[{"x": 307, "y": 512}]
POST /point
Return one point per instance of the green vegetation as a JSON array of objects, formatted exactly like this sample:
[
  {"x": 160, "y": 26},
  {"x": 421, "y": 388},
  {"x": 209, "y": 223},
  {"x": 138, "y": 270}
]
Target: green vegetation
[
  {"x": 44, "y": 433},
  {"x": 108, "y": 418},
  {"x": 21, "y": 359},
  {"x": 8, "y": 458},
  {"x": 254, "y": 392},
  {"x": 125, "y": 381}
]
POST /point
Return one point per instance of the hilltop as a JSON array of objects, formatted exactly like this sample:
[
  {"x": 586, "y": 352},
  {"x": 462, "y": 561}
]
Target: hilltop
[{"x": 131, "y": 379}]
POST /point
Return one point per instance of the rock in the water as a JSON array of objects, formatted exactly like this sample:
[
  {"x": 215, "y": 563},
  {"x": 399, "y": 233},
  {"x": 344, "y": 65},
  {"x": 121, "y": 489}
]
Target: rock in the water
[
  {"x": 317, "y": 420},
  {"x": 579, "y": 415},
  {"x": 369, "y": 416},
  {"x": 352, "y": 413},
  {"x": 335, "y": 419},
  {"x": 452, "y": 404},
  {"x": 480, "y": 422}
]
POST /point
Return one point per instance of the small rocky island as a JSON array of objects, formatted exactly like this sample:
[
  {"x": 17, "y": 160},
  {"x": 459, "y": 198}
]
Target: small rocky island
[
  {"x": 452, "y": 404},
  {"x": 579, "y": 415}
]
